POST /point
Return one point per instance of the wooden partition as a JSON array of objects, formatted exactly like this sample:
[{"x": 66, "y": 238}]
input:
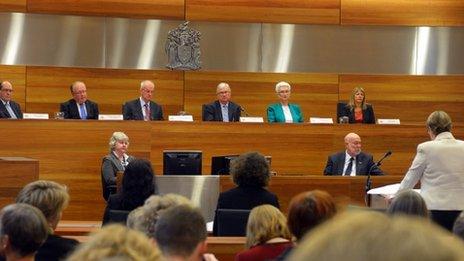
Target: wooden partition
[
  {"x": 70, "y": 151},
  {"x": 409, "y": 98},
  {"x": 15, "y": 172},
  {"x": 13, "y": 5},
  {"x": 110, "y": 88}
]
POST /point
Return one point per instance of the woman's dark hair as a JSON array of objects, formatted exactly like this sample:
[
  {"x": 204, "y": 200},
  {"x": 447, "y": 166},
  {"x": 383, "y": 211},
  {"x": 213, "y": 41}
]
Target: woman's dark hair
[
  {"x": 138, "y": 183},
  {"x": 309, "y": 209},
  {"x": 408, "y": 202},
  {"x": 250, "y": 170}
]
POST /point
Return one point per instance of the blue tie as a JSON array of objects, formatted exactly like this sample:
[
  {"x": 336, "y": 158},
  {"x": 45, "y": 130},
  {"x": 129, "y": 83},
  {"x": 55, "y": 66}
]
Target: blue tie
[
  {"x": 225, "y": 113},
  {"x": 82, "y": 110},
  {"x": 10, "y": 111}
]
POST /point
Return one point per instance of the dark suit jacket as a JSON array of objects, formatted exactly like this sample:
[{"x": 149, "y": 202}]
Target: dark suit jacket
[
  {"x": 56, "y": 248},
  {"x": 244, "y": 198},
  {"x": 213, "y": 111},
  {"x": 132, "y": 110},
  {"x": 364, "y": 162},
  {"x": 14, "y": 106},
  {"x": 368, "y": 114},
  {"x": 110, "y": 166},
  {"x": 71, "y": 112}
]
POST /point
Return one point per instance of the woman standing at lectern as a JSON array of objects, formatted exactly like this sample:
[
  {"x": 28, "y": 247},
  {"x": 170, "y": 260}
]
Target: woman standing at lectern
[{"x": 357, "y": 110}]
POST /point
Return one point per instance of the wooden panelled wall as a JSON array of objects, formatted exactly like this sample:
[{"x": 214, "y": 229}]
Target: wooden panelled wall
[
  {"x": 345, "y": 12},
  {"x": 409, "y": 98}
]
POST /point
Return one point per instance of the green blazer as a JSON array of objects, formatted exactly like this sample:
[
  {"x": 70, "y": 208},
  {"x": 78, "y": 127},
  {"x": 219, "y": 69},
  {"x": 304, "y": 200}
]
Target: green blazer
[{"x": 275, "y": 113}]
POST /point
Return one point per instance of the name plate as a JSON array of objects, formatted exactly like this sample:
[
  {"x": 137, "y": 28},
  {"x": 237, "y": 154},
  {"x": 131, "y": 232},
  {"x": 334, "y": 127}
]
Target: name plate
[
  {"x": 110, "y": 117},
  {"x": 252, "y": 119},
  {"x": 316, "y": 120},
  {"x": 180, "y": 118},
  {"x": 36, "y": 116},
  {"x": 389, "y": 121}
]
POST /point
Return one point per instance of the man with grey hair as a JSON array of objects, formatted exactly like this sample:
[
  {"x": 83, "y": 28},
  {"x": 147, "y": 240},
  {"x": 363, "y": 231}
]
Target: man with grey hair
[
  {"x": 352, "y": 161},
  {"x": 79, "y": 107},
  {"x": 222, "y": 109},
  {"x": 143, "y": 108},
  {"x": 8, "y": 108}
]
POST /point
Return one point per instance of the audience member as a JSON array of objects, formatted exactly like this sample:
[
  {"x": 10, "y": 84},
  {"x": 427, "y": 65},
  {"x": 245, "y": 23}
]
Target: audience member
[
  {"x": 267, "y": 234},
  {"x": 118, "y": 243},
  {"x": 357, "y": 110},
  {"x": 439, "y": 166},
  {"x": 144, "y": 218},
  {"x": 138, "y": 183},
  {"x": 306, "y": 211},
  {"x": 51, "y": 198},
  {"x": 181, "y": 234},
  {"x": 222, "y": 109},
  {"x": 23, "y": 229},
  {"x": 114, "y": 162},
  {"x": 284, "y": 111},
  {"x": 250, "y": 172},
  {"x": 143, "y": 108},
  {"x": 369, "y": 235},
  {"x": 458, "y": 227},
  {"x": 409, "y": 202},
  {"x": 79, "y": 107},
  {"x": 352, "y": 161},
  {"x": 8, "y": 108}
]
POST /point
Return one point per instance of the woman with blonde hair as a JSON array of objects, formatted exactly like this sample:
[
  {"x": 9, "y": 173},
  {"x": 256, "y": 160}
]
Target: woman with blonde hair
[
  {"x": 267, "y": 234},
  {"x": 357, "y": 110}
]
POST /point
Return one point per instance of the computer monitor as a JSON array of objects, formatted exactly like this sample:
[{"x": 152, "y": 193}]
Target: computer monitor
[
  {"x": 182, "y": 162},
  {"x": 220, "y": 165}
]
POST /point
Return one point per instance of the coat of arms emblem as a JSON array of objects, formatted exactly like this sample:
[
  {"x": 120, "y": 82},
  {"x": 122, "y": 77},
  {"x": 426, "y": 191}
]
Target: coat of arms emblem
[{"x": 183, "y": 48}]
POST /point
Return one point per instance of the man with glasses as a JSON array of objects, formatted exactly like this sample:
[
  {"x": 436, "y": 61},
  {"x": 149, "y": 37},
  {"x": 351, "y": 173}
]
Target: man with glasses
[
  {"x": 8, "y": 108},
  {"x": 79, "y": 107},
  {"x": 222, "y": 109},
  {"x": 143, "y": 108}
]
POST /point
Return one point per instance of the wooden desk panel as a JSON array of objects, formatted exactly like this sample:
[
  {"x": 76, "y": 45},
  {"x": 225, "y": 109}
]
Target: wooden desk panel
[{"x": 16, "y": 172}]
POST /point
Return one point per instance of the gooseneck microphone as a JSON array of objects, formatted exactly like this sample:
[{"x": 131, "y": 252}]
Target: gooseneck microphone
[
  {"x": 369, "y": 181},
  {"x": 244, "y": 111}
]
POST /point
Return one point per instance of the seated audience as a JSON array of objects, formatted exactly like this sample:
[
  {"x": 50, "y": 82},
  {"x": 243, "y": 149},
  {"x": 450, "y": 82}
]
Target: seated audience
[
  {"x": 23, "y": 229},
  {"x": 439, "y": 167},
  {"x": 143, "y": 108},
  {"x": 9, "y": 109},
  {"x": 284, "y": 111},
  {"x": 116, "y": 161},
  {"x": 222, "y": 109},
  {"x": 409, "y": 202},
  {"x": 118, "y": 243},
  {"x": 267, "y": 234},
  {"x": 79, "y": 107},
  {"x": 138, "y": 183},
  {"x": 144, "y": 218},
  {"x": 357, "y": 110},
  {"x": 180, "y": 233},
  {"x": 51, "y": 198},
  {"x": 250, "y": 172},
  {"x": 458, "y": 228},
  {"x": 370, "y": 235},
  {"x": 306, "y": 211},
  {"x": 352, "y": 161}
]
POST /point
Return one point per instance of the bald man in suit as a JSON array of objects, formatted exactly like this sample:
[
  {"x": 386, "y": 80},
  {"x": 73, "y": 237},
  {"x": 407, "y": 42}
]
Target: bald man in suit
[{"x": 8, "y": 108}]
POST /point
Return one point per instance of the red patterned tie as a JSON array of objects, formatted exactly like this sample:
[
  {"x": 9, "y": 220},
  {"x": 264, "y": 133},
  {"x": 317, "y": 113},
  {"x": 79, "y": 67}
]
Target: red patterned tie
[{"x": 147, "y": 112}]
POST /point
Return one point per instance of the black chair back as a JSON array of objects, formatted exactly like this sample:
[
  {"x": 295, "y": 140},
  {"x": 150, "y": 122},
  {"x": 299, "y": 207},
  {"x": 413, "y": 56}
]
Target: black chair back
[{"x": 232, "y": 222}]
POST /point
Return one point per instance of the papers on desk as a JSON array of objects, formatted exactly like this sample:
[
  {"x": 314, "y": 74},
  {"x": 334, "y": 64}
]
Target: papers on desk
[{"x": 387, "y": 190}]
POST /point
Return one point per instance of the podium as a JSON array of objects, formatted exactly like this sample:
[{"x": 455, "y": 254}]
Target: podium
[
  {"x": 15, "y": 173},
  {"x": 379, "y": 195}
]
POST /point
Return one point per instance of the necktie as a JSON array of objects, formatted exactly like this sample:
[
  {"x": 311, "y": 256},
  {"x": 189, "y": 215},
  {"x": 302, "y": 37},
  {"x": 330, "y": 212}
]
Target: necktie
[
  {"x": 349, "y": 168},
  {"x": 83, "y": 112},
  {"x": 147, "y": 111},
  {"x": 225, "y": 113},
  {"x": 10, "y": 111}
]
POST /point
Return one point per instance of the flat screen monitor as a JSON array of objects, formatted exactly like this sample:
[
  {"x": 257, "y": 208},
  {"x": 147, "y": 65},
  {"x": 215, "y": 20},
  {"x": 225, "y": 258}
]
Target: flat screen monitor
[
  {"x": 182, "y": 162},
  {"x": 220, "y": 165}
]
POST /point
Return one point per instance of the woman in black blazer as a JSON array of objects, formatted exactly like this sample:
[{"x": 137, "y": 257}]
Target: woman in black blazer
[{"x": 357, "y": 110}]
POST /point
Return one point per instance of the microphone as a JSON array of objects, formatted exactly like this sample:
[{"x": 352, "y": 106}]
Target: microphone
[
  {"x": 244, "y": 111},
  {"x": 369, "y": 181},
  {"x": 384, "y": 157}
]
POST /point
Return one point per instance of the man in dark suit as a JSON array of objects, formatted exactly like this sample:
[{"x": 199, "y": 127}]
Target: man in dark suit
[
  {"x": 8, "y": 108},
  {"x": 352, "y": 161},
  {"x": 79, "y": 107},
  {"x": 143, "y": 108},
  {"x": 222, "y": 109}
]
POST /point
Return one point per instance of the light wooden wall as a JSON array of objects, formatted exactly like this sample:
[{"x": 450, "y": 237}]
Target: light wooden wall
[{"x": 344, "y": 12}]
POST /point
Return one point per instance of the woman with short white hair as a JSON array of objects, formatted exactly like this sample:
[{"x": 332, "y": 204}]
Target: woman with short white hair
[
  {"x": 115, "y": 161},
  {"x": 284, "y": 111}
]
